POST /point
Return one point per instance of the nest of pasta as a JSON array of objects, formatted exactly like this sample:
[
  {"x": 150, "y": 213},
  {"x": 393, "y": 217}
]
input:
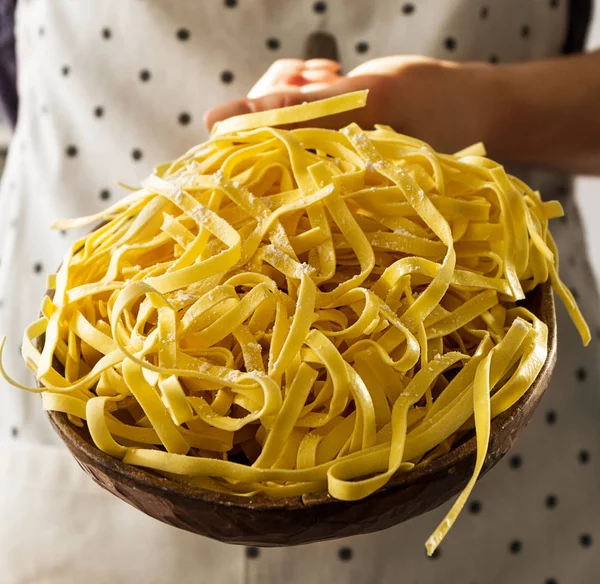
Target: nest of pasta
[{"x": 292, "y": 311}]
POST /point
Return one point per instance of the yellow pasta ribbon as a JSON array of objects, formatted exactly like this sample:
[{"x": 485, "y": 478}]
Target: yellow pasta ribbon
[{"x": 291, "y": 311}]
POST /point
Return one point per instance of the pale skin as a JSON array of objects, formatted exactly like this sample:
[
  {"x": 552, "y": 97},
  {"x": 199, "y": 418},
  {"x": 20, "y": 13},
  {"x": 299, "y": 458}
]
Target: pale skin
[{"x": 543, "y": 114}]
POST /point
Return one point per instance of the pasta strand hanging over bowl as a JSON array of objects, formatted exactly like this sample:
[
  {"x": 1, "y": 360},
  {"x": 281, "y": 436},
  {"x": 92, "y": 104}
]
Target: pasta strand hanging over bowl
[{"x": 286, "y": 312}]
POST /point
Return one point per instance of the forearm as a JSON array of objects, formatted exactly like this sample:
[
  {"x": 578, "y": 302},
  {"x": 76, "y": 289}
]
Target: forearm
[
  {"x": 543, "y": 114},
  {"x": 546, "y": 114}
]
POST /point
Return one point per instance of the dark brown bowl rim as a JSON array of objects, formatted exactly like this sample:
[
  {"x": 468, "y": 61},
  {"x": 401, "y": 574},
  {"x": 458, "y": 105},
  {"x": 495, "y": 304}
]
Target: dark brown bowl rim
[{"x": 140, "y": 478}]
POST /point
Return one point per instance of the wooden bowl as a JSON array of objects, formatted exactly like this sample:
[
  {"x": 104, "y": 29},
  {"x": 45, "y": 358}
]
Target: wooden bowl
[{"x": 262, "y": 521}]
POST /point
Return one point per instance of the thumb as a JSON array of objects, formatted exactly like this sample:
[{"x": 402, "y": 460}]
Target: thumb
[
  {"x": 373, "y": 112},
  {"x": 238, "y": 107}
]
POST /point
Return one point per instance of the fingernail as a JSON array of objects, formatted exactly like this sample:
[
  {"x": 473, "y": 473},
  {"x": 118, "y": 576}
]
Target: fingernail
[
  {"x": 322, "y": 64},
  {"x": 319, "y": 75}
]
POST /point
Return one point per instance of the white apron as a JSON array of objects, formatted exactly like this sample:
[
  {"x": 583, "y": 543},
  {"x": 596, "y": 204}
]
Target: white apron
[{"x": 109, "y": 88}]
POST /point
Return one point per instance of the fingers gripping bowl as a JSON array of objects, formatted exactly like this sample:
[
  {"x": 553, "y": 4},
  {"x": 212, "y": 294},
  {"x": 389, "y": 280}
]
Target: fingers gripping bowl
[{"x": 291, "y": 335}]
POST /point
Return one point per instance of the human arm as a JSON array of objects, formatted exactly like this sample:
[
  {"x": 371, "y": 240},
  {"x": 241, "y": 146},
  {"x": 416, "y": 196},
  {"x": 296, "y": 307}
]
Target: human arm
[{"x": 540, "y": 114}]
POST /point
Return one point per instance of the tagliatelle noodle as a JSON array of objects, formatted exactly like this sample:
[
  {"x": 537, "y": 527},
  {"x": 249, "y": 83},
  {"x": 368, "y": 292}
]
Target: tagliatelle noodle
[{"x": 333, "y": 307}]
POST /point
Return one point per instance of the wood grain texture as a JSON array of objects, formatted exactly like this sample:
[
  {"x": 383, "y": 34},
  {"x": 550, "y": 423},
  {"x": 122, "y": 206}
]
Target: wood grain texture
[{"x": 263, "y": 521}]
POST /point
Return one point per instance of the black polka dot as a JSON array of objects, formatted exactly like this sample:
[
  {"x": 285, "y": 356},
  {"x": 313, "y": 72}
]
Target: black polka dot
[
  {"x": 65, "y": 70},
  {"x": 14, "y": 431},
  {"x": 493, "y": 59},
  {"x": 184, "y": 118},
  {"x": 515, "y": 546},
  {"x": 362, "y": 47},
  {"x": 106, "y": 33},
  {"x": 551, "y": 501},
  {"x": 475, "y": 507},
  {"x": 136, "y": 154},
  {"x": 408, "y": 8},
  {"x": 226, "y": 76},
  {"x": 345, "y": 554},
  {"x": 183, "y": 34},
  {"x": 516, "y": 461},
  {"x": 320, "y": 7},
  {"x": 575, "y": 293},
  {"x": 484, "y": 12},
  {"x": 525, "y": 31},
  {"x": 550, "y": 417},
  {"x": 104, "y": 194},
  {"x": 252, "y": 552},
  {"x": 450, "y": 43},
  {"x": 71, "y": 151},
  {"x": 145, "y": 75},
  {"x": 554, "y": 3},
  {"x": 63, "y": 232},
  {"x": 37, "y": 268},
  {"x": 551, "y": 581},
  {"x": 98, "y": 111},
  {"x": 585, "y": 540},
  {"x": 273, "y": 44},
  {"x": 581, "y": 374},
  {"x": 583, "y": 456},
  {"x": 436, "y": 554},
  {"x": 230, "y": 3},
  {"x": 42, "y": 31},
  {"x": 563, "y": 219}
]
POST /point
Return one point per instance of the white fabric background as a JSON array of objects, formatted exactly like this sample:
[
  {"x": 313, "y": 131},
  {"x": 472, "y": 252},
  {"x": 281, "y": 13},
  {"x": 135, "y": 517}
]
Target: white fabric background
[{"x": 55, "y": 525}]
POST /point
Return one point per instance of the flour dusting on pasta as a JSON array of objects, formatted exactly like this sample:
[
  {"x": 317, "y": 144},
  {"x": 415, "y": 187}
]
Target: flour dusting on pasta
[{"x": 285, "y": 312}]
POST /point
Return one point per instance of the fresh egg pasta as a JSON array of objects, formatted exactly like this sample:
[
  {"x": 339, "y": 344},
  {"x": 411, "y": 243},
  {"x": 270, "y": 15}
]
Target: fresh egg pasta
[{"x": 292, "y": 311}]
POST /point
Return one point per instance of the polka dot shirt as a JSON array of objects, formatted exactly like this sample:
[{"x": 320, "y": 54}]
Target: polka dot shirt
[{"x": 106, "y": 93}]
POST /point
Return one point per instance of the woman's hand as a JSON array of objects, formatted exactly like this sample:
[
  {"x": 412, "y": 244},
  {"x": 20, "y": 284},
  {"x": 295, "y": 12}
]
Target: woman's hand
[
  {"x": 540, "y": 114},
  {"x": 296, "y": 75},
  {"x": 441, "y": 102}
]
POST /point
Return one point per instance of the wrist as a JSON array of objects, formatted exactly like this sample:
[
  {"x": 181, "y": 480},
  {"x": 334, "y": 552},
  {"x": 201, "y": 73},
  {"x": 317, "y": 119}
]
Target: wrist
[{"x": 492, "y": 107}]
